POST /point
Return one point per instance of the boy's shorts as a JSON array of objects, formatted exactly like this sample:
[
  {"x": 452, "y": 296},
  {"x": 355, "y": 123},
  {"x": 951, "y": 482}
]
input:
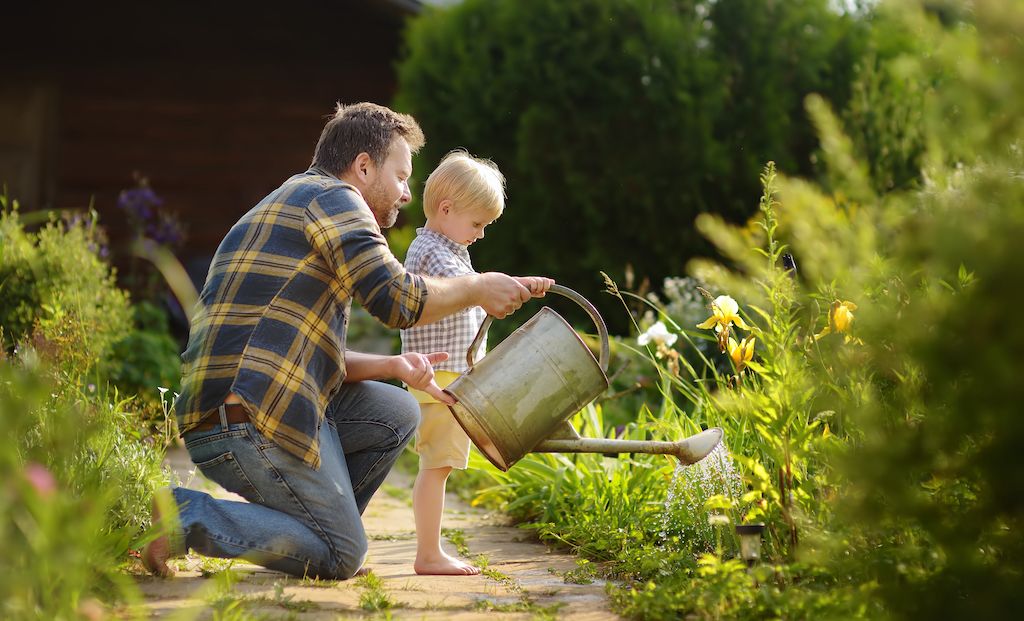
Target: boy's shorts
[{"x": 440, "y": 440}]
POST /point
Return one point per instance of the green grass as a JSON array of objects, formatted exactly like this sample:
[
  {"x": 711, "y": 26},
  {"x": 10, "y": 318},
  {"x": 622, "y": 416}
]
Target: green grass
[
  {"x": 374, "y": 597},
  {"x": 398, "y": 493}
]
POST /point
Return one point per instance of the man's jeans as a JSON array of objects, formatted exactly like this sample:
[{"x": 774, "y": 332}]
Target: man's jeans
[{"x": 298, "y": 520}]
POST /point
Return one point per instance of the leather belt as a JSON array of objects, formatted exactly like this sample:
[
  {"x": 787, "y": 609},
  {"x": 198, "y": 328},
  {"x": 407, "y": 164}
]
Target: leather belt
[{"x": 227, "y": 414}]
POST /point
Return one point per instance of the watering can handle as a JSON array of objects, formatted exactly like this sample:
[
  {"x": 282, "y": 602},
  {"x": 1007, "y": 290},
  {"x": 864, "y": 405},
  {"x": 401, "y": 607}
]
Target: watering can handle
[{"x": 602, "y": 330}]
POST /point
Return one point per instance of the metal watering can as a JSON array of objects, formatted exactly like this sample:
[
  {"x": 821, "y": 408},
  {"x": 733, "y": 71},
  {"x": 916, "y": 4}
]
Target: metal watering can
[{"x": 519, "y": 397}]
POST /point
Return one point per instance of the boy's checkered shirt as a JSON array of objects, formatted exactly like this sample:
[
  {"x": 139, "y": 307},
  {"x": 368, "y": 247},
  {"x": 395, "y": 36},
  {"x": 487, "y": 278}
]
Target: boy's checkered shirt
[{"x": 433, "y": 254}]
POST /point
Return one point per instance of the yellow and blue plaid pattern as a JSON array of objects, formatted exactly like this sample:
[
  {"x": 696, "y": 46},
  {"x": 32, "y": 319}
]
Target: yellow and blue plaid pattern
[{"x": 271, "y": 321}]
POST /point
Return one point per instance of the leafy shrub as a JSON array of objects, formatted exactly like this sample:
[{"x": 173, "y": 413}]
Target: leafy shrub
[
  {"x": 75, "y": 497},
  {"x": 56, "y": 293},
  {"x": 937, "y": 474},
  {"x": 617, "y": 121},
  {"x": 919, "y": 499},
  {"x": 147, "y": 357},
  {"x": 876, "y": 419}
]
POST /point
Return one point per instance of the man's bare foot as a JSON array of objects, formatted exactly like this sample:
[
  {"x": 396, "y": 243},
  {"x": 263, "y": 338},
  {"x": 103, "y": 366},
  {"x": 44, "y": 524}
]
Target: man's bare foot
[
  {"x": 443, "y": 565},
  {"x": 156, "y": 552},
  {"x": 362, "y": 571}
]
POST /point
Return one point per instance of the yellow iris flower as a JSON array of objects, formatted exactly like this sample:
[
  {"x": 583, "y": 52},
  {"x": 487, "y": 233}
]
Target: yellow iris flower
[
  {"x": 841, "y": 316},
  {"x": 840, "y": 319},
  {"x": 742, "y": 352},
  {"x": 724, "y": 313}
]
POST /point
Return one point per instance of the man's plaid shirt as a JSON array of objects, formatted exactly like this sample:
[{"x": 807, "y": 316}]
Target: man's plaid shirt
[
  {"x": 433, "y": 254},
  {"x": 271, "y": 321}
]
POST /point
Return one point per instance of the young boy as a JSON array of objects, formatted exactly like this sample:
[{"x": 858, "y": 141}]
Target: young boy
[{"x": 462, "y": 197}]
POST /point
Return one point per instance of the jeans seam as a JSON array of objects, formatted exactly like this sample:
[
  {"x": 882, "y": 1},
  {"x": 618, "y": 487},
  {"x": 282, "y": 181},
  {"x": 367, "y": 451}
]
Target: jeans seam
[
  {"x": 291, "y": 494},
  {"x": 394, "y": 431},
  {"x": 362, "y": 482},
  {"x": 383, "y": 452},
  {"x": 249, "y": 547},
  {"x": 244, "y": 478}
]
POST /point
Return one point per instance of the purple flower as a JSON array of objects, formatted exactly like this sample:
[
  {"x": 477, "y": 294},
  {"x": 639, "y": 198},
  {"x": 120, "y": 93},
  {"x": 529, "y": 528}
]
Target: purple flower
[
  {"x": 141, "y": 202},
  {"x": 165, "y": 230},
  {"x": 143, "y": 208}
]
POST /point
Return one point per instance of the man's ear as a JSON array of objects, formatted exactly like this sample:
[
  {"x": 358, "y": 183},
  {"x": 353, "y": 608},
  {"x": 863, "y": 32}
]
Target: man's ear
[{"x": 363, "y": 167}]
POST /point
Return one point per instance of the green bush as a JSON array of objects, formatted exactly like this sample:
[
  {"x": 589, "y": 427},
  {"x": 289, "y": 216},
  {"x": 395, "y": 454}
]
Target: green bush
[
  {"x": 885, "y": 120},
  {"x": 920, "y": 502},
  {"x": 617, "y": 121},
  {"x": 81, "y": 466},
  {"x": 75, "y": 496},
  {"x": 147, "y": 357},
  {"x": 56, "y": 294},
  {"x": 876, "y": 422},
  {"x": 936, "y": 478}
]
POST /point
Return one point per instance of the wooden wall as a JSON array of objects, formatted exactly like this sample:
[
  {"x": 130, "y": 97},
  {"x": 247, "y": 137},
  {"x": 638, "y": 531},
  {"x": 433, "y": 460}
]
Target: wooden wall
[{"x": 216, "y": 103}]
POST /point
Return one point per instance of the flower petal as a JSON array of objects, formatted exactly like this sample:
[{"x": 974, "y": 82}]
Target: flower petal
[
  {"x": 710, "y": 321},
  {"x": 726, "y": 305}
]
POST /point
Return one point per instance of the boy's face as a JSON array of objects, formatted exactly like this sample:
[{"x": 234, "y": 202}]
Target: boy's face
[{"x": 462, "y": 226}]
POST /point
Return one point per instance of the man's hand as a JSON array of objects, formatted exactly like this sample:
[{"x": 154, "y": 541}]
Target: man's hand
[
  {"x": 417, "y": 371},
  {"x": 538, "y": 285},
  {"x": 501, "y": 295}
]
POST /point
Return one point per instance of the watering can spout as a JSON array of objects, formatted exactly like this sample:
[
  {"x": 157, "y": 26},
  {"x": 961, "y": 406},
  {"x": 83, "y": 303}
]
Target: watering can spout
[{"x": 688, "y": 451}]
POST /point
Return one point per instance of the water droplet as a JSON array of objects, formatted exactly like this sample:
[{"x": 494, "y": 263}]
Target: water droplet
[{"x": 684, "y": 514}]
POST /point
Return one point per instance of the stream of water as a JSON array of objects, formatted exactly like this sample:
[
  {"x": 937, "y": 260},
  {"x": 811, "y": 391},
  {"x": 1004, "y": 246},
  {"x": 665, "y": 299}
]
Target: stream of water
[{"x": 684, "y": 514}]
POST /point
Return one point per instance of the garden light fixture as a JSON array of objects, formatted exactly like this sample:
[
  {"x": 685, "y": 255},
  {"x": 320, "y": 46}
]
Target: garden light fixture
[{"x": 750, "y": 542}]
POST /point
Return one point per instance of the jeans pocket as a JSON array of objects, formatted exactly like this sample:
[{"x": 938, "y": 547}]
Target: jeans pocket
[{"x": 225, "y": 470}]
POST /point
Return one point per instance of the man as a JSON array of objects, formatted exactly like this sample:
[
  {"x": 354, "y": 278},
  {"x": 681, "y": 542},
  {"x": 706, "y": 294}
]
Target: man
[{"x": 272, "y": 406}]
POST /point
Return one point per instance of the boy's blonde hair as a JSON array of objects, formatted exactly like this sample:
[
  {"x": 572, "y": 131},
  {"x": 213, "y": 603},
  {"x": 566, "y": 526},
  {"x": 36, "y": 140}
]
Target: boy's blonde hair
[{"x": 469, "y": 182}]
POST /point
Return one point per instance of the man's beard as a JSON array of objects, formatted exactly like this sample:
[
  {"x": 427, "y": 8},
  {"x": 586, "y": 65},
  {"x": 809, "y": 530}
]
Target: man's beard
[{"x": 385, "y": 213}]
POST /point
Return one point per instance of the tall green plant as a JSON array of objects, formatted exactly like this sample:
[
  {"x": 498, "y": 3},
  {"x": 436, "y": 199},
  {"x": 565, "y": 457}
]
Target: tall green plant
[
  {"x": 56, "y": 293},
  {"x": 617, "y": 121},
  {"x": 935, "y": 475},
  {"x": 73, "y": 501},
  {"x": 918, "y": 503}
]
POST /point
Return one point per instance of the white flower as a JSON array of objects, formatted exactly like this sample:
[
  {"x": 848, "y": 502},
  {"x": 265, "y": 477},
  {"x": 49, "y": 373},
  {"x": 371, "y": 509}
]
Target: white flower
[{"x": 659, "y": 334}]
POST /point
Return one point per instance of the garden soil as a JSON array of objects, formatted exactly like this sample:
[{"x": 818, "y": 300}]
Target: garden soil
[{"x": 524, "y": 579}]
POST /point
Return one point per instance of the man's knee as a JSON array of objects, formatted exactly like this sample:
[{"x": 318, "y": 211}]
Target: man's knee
[
  {"x": 409, "y": 412},
  {"x": 350, "y": 560},
  {"x": 403, "y": 411}
]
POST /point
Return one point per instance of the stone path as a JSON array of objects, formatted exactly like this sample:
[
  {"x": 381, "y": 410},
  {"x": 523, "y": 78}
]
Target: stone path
[{"x": 522, "y": 579}]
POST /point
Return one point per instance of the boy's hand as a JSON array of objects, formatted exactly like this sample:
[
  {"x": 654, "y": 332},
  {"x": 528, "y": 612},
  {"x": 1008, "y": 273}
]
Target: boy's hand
[
  {"x": 500, "y": 294},
  {"x": 417, "y": 371},
  {"x": 538, "y": 285}
]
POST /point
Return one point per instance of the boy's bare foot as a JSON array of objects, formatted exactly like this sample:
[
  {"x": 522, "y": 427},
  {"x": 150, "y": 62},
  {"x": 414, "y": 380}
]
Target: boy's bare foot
[
  {"x": 156, "y": 552},
  {"x": 443, "y": 565}
]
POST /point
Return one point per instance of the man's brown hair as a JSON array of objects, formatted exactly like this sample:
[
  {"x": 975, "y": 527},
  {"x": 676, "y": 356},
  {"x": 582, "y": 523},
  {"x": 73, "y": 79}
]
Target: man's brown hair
[{"x": 361, "y": 127}]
